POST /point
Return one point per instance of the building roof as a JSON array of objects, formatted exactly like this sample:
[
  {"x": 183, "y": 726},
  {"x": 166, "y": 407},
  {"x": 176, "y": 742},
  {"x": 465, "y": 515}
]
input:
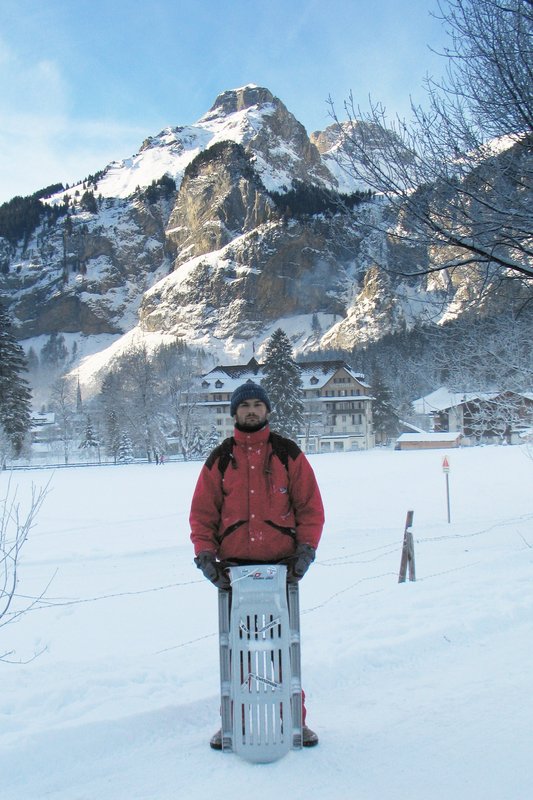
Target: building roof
[
  {"x": 443, "y": 399},
  {"x": 314, "y": 374},
  {"x": 430, "y": 437},
  {"x": 43, "y": 418},
  {"x": 408, "y": 427},
  {"x": 237, "y": 370}
]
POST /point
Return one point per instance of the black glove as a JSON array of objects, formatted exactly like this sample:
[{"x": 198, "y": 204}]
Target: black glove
[
  {"x": 213, "y": 569},
  {"x": 299, "y": 562}
]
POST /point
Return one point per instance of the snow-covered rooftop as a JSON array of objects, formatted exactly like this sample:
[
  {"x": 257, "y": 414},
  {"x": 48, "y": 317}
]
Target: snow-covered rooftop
[
  {"x": 443, "y": 436},
  {"x": 443, "y": 398},
  {"x": 314, "y": 374}
]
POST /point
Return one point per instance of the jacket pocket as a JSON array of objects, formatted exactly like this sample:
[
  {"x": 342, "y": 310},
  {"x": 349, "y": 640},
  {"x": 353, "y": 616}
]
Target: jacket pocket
[
  {"x": 287, "y": 531},
  {"x": 229, "y": 530}
]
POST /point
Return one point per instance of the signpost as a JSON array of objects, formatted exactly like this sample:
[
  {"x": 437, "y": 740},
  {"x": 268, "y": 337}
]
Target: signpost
[{"x": 446, "y": 470}]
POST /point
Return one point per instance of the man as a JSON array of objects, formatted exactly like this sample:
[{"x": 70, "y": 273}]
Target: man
[{"x": 256, "y": 501}]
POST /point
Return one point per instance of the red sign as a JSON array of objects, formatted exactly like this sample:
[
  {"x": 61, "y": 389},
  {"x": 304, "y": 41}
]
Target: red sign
[{"x": 445, "y": 464}]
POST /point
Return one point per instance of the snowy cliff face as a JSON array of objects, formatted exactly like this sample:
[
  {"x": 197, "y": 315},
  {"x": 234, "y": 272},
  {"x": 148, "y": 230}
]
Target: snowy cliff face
[
  {"x": 220, "y": 198},
  {"x": 276, "y": 271},
  {"x": 210, "y": 253},
  {"x": 87, "y": 273}
]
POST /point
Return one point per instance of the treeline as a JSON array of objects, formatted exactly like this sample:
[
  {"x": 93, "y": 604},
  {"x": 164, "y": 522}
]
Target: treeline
[
  {"x": 306, "y": 199},
  {"x": 162, "y": 189},
  {"x": 20, "y": 216}
]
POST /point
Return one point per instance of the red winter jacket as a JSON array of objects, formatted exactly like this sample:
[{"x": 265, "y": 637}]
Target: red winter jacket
[{"x": 248, "y": 505}]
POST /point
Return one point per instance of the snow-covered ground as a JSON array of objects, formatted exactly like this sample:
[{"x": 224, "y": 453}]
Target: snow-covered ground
[{"x": 419, "y": 691}]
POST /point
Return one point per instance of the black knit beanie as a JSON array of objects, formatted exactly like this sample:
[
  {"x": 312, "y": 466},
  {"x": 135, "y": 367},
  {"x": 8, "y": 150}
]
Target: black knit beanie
[{"x": 248, "y": 391}]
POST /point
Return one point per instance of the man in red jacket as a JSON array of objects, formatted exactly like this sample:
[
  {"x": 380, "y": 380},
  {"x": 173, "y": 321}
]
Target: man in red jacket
[{"x": 256, "y": 501}]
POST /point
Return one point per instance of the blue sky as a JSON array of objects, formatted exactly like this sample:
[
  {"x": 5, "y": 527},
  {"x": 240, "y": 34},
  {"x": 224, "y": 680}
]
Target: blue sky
[{"x": 84, "y": 82}]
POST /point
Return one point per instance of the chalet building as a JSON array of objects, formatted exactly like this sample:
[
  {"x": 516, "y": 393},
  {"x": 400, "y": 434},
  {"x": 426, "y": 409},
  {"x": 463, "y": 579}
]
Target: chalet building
[
  {"x": 428, "y": 441},
  {"x": 479, "y": 416},
  {"x": 337, "y": 402},
  {"x": 44, "y": 430}
]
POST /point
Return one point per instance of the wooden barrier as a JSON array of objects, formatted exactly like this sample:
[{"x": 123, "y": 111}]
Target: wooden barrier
[{"x": 408, "y": 551}]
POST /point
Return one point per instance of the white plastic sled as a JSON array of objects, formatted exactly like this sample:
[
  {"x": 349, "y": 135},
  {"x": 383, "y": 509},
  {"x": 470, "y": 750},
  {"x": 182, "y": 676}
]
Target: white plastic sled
[{"x": 261, "y": 692}]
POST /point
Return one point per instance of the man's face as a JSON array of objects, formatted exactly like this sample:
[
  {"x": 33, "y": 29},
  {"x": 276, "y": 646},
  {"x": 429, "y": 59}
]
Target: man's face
[{"x": 251, "y": 413}]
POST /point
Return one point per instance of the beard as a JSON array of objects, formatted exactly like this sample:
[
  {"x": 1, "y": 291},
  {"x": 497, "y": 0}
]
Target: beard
[{"x": 251, "y": 424}]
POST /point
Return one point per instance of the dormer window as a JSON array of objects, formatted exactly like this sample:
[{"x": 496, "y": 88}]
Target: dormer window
[
  {"x": 205, "y": 384},
  {"x": 219, "y": 384},
  {"x": 313, "y": 381}
]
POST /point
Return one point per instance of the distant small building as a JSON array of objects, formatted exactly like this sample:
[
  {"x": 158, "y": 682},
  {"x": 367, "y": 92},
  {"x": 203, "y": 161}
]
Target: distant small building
[
  {"x": 480, "y": 416},
  {"x": 428, "y": 441},
  {"x": 337, "y": 404},
  {"x": 43, "y": 427}
]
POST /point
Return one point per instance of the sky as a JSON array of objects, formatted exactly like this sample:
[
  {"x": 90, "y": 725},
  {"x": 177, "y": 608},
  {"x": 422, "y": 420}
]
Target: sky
[{"x": 84, "y": 83}]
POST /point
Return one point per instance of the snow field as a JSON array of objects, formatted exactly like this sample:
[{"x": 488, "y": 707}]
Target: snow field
[{"x": 420, "y": 690}]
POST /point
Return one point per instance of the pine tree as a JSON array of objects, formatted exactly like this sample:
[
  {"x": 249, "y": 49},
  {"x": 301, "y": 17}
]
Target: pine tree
[
  {"x": 15, "y": 394},
  {"x": 111, "y": 400},
  {"x": 125, "y": 450},
  {"x": 112, "y": 434},
  {"x": 90, "y": 443},
  {"x": 384, "y": 414},
  {"x": 54, "y": 352},
  {"x": 79, "y": 401},
  {"x": 212, "y": 441},
  {"x": 283, "y": 385},
  {"x": 195, "y": 446}
]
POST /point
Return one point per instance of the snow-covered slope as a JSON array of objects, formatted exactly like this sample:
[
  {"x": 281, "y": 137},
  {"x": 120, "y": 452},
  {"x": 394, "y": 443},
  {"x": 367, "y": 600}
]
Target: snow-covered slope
[
  {"x": 219, "y": 232},
  {"x": 417, "y": 691},
  {"x": 249, "y": 115}
]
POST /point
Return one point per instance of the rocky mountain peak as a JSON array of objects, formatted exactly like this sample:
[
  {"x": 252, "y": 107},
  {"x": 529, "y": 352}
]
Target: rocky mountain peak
[{"x": 234, "y": 100}]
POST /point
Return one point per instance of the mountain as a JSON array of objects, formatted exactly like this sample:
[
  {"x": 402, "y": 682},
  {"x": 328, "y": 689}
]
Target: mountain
[{"x": 216, "y": 233}]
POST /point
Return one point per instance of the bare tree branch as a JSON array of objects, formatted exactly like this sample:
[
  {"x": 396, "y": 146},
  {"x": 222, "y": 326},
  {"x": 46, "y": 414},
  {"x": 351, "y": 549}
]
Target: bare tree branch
[
  {"x": 15, "y": 525},
  {"x": 458, "y": 179}
]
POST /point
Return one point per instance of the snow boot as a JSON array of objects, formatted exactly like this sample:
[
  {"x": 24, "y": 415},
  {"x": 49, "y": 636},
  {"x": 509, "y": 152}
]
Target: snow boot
[
  {"x": 216, "y": 740},
  {"x": 309, "y": 737}
]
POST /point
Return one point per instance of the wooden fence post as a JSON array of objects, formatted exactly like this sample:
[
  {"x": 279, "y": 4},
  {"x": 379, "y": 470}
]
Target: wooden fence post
[{"x": 408, "y": 551}]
